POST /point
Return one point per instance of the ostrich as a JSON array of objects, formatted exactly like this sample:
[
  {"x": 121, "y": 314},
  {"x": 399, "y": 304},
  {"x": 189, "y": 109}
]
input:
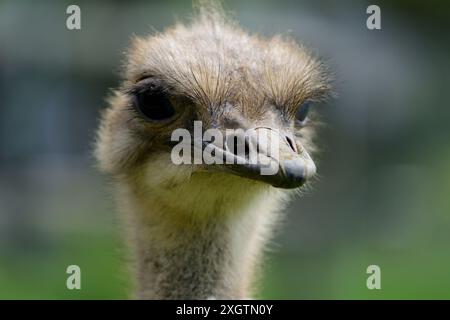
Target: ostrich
[{"x": 198, "y": 231}]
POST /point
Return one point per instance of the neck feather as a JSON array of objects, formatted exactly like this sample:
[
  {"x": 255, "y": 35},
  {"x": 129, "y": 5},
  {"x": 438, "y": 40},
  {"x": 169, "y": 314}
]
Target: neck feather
[{"x": 180, "y": 254}]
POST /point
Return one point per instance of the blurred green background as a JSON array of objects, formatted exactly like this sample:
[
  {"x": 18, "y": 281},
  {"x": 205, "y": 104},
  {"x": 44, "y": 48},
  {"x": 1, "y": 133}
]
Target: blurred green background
[{"x": 383, "y": 196}]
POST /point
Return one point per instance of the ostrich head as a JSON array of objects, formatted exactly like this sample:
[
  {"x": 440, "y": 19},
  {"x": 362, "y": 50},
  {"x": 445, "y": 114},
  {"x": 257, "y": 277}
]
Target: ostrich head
[{"x": 210, "y": 71}]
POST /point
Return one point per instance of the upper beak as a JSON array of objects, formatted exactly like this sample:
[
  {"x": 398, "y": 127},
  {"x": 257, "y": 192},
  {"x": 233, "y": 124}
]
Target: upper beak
[{"x": 276, "y": 159}]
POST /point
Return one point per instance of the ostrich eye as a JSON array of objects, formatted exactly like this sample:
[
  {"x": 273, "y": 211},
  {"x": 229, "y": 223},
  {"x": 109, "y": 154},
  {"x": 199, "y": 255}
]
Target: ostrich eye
[
  {"x": 302, "y": 112},
  {"x": 154, "y": 105}
]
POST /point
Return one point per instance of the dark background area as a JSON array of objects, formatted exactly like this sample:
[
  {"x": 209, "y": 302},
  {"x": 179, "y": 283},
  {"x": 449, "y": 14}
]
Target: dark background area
[{"x": 383, "y": 193}]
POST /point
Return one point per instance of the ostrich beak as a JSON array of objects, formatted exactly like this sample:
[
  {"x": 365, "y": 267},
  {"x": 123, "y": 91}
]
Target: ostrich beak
[{"x": 280, "y": 162}]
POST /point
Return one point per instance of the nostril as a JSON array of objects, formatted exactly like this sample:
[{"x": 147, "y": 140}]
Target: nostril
[{"x": 291, "y": 143}]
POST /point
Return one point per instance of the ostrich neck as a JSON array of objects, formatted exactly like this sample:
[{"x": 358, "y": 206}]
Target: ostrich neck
[{"x": 208, "y": 257}]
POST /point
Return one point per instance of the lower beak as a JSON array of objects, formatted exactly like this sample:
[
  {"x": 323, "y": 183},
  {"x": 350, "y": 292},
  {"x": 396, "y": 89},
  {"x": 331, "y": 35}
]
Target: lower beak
[{"x": 271, "y": 157}]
